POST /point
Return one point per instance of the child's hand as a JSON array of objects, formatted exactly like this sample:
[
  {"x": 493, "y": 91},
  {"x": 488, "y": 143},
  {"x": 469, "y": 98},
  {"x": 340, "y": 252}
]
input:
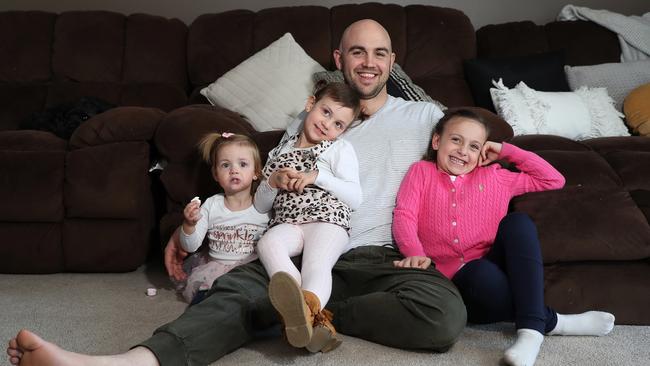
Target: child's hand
[
  {"x": 284, "y": 178},
  {"x": 306, "y": 178},
  {"x": 413, "y": 262},
  {"x": 489, "y": 153},
  {"x": 191, "y": 214}
]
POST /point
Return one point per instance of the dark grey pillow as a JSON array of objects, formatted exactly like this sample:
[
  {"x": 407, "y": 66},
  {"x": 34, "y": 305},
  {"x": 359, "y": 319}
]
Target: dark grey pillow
[{"x": 542, "y": 72}]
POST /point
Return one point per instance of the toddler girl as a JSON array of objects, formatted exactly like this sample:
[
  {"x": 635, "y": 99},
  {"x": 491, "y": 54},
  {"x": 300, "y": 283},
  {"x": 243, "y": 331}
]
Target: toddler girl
[
  {"x": 230, "y": 220},
  {"x": 451, "y": 209},
  {"x": 312, "y": 183}
]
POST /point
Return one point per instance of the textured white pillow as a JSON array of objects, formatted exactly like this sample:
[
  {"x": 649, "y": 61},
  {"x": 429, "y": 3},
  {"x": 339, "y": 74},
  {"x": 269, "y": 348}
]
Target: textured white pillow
[
  {"x": 585, "y": 113},
  {"x": 269, "y": 88},
  {"x": 619, "y": 78}
]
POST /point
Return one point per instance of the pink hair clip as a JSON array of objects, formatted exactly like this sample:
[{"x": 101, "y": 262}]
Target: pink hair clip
[{"x": 225, "y": 135}]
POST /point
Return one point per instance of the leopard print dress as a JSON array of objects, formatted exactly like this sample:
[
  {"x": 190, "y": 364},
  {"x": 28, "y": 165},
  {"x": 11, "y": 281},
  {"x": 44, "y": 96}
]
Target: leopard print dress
[{"x": 314, "y": 203}]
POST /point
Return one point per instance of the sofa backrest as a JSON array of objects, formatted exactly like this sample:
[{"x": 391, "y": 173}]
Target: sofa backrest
[
  {"x": 430, "y": 42},
  {"x": 48, "y": 59},
  {"x": 583, "y": 42}
]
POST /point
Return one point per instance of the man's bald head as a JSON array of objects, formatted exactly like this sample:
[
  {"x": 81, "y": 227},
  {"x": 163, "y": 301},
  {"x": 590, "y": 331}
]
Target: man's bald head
[
  {"x": 364, "y": 26},
  {"x": 365, "y": 56}
]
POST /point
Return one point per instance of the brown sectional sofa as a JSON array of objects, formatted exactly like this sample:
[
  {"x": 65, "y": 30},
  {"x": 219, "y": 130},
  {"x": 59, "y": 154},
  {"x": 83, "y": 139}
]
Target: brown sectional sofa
[
  {"x": 85, "y": 204},
  {"x": 90, "y": 201}
]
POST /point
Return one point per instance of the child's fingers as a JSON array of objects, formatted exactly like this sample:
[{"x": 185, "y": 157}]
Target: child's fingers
[
  {"x": 294, "y": 184},
  {"x": 484, "y": 150},
  {"x": 301, "y": 185}
]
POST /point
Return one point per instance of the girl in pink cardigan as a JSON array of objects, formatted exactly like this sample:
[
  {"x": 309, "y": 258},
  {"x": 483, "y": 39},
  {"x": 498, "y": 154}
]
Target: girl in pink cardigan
[{"x": 452, "y": 211}]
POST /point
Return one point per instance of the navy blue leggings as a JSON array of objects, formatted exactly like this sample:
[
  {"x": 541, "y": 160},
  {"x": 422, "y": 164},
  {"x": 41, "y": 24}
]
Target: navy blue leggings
[{"x": 508, "y": 283}]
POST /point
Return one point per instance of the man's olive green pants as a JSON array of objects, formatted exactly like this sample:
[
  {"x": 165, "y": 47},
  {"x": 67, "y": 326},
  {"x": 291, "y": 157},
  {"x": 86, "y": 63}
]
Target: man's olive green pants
[{"x": 371, "y": 299}]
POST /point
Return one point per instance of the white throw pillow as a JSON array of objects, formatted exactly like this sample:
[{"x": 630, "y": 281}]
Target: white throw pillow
[
  {"x": 619, "y": 78},
  {"x": 269, "y": 88},
  {"x": 585, "y": 113}
]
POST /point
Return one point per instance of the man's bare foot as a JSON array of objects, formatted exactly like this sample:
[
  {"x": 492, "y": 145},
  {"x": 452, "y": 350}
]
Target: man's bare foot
[{"x": 28, "y": 349}]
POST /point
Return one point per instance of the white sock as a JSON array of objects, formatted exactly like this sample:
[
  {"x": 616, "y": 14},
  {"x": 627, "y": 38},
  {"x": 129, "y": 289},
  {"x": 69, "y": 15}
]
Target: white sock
[
  {"x": 590, "y": 323},
  {"x": 524, "y": 351}
]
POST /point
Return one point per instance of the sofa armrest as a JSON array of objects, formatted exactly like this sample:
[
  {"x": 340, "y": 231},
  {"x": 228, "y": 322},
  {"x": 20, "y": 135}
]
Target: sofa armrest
[
  {"x": 176, "y": 140},
  {"x": 181, "y": 130},
  {"x": 121, "y": 124},
  {"x": 266, "y": 141}
]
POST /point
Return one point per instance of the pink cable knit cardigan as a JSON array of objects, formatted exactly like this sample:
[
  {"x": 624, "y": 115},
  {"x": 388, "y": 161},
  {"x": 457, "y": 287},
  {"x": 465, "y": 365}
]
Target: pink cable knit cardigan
[{"x": 456, "y": 222}]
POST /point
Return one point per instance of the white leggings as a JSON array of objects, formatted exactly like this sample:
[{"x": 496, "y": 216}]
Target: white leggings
[{"x": 321, "y": 244}]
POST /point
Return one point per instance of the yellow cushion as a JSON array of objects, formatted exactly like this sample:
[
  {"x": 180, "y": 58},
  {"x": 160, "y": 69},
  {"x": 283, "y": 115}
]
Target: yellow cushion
[{"x": 637, "y": 109}]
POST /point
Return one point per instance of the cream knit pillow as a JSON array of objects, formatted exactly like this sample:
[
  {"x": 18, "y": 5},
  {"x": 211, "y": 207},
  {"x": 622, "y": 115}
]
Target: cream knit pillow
[
  {"x": 270, "y": 88},
  {"x": 582, "y": 114}
]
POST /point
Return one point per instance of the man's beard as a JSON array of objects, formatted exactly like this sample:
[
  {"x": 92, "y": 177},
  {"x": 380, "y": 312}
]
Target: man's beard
[{"x": 364, "y": 95}]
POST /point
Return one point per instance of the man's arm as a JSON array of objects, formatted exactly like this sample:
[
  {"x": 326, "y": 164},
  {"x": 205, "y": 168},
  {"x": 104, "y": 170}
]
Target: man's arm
[{"x": 174, "y": 257}]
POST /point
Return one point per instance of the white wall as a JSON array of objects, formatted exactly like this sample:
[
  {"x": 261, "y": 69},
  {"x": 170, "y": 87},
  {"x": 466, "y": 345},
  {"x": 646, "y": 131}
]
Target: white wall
[{"x": 481, "y": 12}]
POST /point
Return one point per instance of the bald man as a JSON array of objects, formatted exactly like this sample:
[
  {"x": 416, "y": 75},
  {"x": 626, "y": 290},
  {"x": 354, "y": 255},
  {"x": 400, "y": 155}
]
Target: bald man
[{"x": 371, "y": 298}]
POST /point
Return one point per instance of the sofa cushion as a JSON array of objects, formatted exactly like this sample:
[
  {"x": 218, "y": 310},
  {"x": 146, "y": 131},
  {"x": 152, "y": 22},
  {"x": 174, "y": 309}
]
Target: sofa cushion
[
  {"x": 116, "y": 245},
  {"x": 579, "y": 115},
  {"x": 121, "y": 124},
  {"x": 107, "y": 181},
  {"x": 642, "y": 199},
  {"x": 637, "y": 109},
  {"x": 548, "y": 142},
  {"x": 607, "y": 144},
  {"x": 583, "y": 42},
  {"x": 633, "y": 167},
  {"x": 575, "y": 228},
  {"x": 270, "y": 88},
  {"x": 154, "y": 95},
  {"x": 617, "y": 287},
  {"x": 155, "y": 50},
  {"x": 583, "y": 169},
  {"x": 31, "y": 188},
  {"x": 619, "y": 78},
  {"x": 510, "y": 39},
  {"x": 61, "y": 92},
  {"x": 31, "y": 247},
  {"x": 35, "y": 30},
  {"x": 89, "y": 46},
  {"x": 20, "y": 101},
  {"x": 542, "y": 72}
]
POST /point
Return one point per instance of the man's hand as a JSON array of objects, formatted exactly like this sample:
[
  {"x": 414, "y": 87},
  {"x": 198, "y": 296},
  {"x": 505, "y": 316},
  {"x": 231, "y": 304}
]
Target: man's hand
[
  {"x": 413, "y": 262},
  {"x": 174, "y": 256}
]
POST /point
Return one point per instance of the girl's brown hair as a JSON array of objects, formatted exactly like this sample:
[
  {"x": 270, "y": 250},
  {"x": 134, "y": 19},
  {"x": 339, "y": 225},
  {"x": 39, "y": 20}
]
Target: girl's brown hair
[
  {"x": 450, "y": 114},
  {"x": 211, "y": 144},
  {"x": 339, "y": 92}
]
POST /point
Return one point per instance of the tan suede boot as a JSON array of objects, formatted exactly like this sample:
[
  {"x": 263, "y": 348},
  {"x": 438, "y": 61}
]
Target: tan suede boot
[
  {"x": 287, "y": 298},
  {"x": 324, "y": 337}
]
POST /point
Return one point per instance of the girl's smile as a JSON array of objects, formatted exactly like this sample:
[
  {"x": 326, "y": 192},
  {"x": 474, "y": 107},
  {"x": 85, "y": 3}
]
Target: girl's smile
[{"x": 459, "y": 146}]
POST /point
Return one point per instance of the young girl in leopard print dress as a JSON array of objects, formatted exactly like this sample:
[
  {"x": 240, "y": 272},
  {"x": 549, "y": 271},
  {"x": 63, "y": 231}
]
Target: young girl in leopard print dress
[{"x": 312, "y": 184}]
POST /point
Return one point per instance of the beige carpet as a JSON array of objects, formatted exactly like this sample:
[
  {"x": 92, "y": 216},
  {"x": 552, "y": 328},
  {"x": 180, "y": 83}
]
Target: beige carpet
[{"x": 108, "y": 313}]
